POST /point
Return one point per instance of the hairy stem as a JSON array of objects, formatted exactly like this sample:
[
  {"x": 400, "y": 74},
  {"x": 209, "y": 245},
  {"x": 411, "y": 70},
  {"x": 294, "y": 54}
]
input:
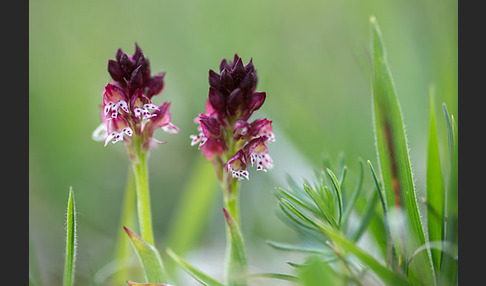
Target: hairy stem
[
  {"x": 235, "y": 262},
  {"x": 140, "y": 171}
]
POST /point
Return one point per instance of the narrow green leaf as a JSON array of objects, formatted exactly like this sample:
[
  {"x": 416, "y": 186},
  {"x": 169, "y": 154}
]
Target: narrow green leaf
[
  {"x": 287, "y": 247},
  {"x": 316, "y": 272},
  {"x": 324, "y": 210},
  {"x": 337, "y": 188},
  {"x": 279, "y": 276},
  {"x": 435, "y": 185},
  {"x": 350, "y": 204},
  {"x": 237, "y": 264},
  {"x": 284, "y": 194},
  {"x": 388, "y": 276},
  {"x": 194, "y": 272},
  {"x": 449, "y": 266},
  {"x": 394, "y": 162},
  {"x": 442, "y": 246},
  {"x": 366, "y": 217},
  {"x": 149, "y": 258},
  {"x": 199, "y": 195},
  {"x": 296, "y": 212},
  {"x": 70, "y": 257},
  {"x": 131, "y": 283}
]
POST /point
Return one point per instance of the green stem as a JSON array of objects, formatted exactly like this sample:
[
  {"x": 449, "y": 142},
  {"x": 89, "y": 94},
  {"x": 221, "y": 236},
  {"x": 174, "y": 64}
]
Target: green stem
[
  {"x": 235, "y": 262},
  {"x": 123, "y": 248},
  {"x": 139, "y": 166}
]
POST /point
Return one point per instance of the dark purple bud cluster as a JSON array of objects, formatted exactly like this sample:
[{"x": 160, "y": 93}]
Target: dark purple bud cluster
[
  {"x": 133, "y": 72},
  {"x": 225, "y": 135},
  {"x": 232, "y": 92}
]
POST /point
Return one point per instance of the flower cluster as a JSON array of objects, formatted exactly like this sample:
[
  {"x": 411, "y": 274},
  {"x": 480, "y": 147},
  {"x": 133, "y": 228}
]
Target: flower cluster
[
  {"x": 127, "y": 107},
  {"x": 226, "y": 137}
]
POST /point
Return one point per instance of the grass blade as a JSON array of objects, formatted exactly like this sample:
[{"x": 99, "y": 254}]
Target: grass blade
[
  {"x": 449, "y": 265},
  {"x": 195, "y": 273},
  {"x": 394, "y": 163},
  {"x": 435, "y": 184},
  {"x": 70, "y": 257},
  {"x": 149, "y": 257}
]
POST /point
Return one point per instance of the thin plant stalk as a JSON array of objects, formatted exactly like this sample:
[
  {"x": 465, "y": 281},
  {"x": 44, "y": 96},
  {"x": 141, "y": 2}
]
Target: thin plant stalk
[
  {"x": 128, "y": 216},
  {"x": 235, "y": 262},
  {"x": 140, "y": 171}
]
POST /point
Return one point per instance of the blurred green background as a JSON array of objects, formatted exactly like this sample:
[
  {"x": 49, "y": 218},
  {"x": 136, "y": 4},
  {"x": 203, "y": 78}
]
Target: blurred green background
[{"x": 312, "y": 60}]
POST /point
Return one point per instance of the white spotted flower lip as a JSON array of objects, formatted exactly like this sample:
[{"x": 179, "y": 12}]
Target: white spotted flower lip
[
  {"x": 127, "y": 109},
  {"x": 224, "y": 130}
]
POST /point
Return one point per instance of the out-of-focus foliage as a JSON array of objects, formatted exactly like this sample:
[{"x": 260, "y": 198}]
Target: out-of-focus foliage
[{"x": 312, "y": 59}]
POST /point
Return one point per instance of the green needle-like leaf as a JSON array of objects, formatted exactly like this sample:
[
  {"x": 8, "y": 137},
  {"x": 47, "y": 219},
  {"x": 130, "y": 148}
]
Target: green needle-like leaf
[
  {"x": 287, "y": 247},
  {"x": 279, "y": 276},
  {"x": 394, "y": 163},
  {"x": 194, "y": 272},
  {"x": 131, "y": 283},
  {"x": 435, "y": 184},
  {"x": 149, "y": 257},
  {"x": 352, "y": 200},
  {"x": 70, "y": 240},
  {"x": 337, "y": 188}
]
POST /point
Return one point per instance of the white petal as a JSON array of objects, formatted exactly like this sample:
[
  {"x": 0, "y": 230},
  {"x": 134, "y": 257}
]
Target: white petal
[{"x": 100, "y": 133}]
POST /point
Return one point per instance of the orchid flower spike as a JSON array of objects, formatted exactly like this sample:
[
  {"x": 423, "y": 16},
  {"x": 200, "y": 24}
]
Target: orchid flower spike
[
  {"x": 127, "y": 108},
  {"x": 225, "y": 135}
]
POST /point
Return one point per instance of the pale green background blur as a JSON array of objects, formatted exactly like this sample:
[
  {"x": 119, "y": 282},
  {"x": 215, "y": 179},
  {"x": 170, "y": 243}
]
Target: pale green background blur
[{"x": 312, "y": 59}]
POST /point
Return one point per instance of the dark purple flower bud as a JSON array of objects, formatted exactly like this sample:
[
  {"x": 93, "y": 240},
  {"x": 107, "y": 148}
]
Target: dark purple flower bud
[
  {"x": 119, "y": 54},
  {"x": 115, "y": 70},
  {"x": 137, "y": 54},
  {"x": 155, "y": 85},
  {"x": 224, "y": 65},
  {"x": 210, "y": 126},
  {"x": 214, "y": 79},
  {"x": 238, "y": 71},
  {"x": 253, "y": 103},
  {"x": 249, "y": 67},
  {"x": 234, "y": 100},
  {"x": 227, "y": 82},
  {"x": 249, "y": 82},
  {"x": 217, "y": 100},
  {"x": 136, "y": 79},
  {"x": 127, "y": 65}
]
